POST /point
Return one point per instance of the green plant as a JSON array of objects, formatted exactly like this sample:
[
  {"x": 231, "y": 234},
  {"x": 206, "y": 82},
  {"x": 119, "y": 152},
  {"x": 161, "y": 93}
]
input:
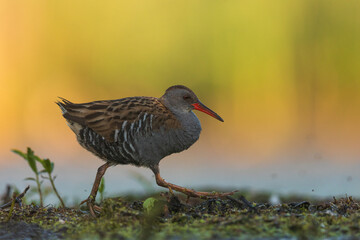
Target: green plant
[
  {"x": 102, "y": 189},
  {"x": 13, "y": 200},
  {"x": 48, "y": 168},
  {"x": 30, "y": 158},
  {"x": 149, "y": 204}
]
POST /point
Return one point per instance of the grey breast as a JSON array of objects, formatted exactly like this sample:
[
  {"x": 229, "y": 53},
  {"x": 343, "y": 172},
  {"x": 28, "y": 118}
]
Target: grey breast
[{"x": 163, "y": 142}]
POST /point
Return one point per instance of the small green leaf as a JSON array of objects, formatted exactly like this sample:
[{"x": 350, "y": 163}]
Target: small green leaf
[
  {"x": 44, "y": 177},
  {"x": 20, "y": 153},
  {"x": 102, "y": 186},
  {"x": 52, "y": 167},
  {"x": 47, "y": 165},
  {"x": 31, "y": 160},
  {"x": 149, "y": 204},
  {"x": 30, "y": 179}
]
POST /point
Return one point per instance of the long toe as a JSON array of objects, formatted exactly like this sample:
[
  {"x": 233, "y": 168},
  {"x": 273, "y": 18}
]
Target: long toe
[
  {"x": 215, "y": 195},
  {"x": 97, "y": 208},
  {"x": 193, "y": 193},
  {"x": 92, "y": 207}
]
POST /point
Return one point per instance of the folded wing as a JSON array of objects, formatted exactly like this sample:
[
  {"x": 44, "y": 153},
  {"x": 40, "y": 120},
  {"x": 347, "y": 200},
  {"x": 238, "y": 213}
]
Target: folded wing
[{"x": 112, "y": 118}]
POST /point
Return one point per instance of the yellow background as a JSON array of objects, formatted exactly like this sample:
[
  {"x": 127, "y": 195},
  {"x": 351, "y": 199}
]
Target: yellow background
[{"x": 284, "y": 75}]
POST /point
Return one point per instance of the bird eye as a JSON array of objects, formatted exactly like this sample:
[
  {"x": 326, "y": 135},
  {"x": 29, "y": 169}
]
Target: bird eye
[{"x": 187, "y": 97}]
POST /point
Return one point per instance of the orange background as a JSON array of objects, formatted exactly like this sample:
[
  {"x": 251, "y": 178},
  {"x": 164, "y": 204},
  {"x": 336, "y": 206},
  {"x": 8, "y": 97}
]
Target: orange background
[{"x": 284, "y": 75}]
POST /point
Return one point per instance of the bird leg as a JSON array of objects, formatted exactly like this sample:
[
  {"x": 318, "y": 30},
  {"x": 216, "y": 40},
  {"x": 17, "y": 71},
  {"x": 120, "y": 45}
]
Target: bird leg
[
  {"x": 189, "y": 192},
  {"x": 91, "y": 199}
]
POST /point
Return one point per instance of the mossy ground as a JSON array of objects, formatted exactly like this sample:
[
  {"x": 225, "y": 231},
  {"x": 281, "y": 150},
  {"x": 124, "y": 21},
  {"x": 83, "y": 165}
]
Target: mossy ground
[{"x": 168, "y": 217}]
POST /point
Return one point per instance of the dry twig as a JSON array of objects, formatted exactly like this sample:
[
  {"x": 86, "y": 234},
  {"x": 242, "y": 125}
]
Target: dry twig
[{"x": 16, "y": 199}]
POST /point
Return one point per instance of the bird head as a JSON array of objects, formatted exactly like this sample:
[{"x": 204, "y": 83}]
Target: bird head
[{"x": 181, "y": 99}]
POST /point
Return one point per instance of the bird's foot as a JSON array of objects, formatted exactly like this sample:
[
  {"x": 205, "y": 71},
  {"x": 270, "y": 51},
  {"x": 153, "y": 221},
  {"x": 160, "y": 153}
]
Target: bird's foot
[
  {"x": 190, "y": 192},
  {"x": 206, "y": 195},
  {"x": 91, "y": 205}
]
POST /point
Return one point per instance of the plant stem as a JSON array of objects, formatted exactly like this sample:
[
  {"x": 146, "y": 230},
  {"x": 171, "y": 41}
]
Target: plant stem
[
  {"x": 39, "y": 190},
  {"x": 11, "y": 207},
  {"x": 55, "y": 190}
]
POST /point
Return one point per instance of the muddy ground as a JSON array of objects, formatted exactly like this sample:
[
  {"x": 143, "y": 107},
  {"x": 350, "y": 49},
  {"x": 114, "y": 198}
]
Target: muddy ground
[{"x": 164, "y": 216}]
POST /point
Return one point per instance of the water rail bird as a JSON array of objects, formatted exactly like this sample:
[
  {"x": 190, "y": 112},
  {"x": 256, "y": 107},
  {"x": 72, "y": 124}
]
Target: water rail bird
[{"x": 139, "y": 131}]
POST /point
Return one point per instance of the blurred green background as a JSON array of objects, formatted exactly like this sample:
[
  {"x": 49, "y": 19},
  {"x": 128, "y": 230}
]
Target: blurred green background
[{"x": 284, "y": 75}]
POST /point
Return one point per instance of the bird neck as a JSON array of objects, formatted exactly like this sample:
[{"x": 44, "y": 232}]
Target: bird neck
[
  {"x": 173, "y": 106},
  {"x": 187, "y": 118}
]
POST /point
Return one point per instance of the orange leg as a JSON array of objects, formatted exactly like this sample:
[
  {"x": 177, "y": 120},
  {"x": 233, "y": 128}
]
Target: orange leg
[
  {"x": 91, "y": 199},
  {"x": 189, "y": 192}
]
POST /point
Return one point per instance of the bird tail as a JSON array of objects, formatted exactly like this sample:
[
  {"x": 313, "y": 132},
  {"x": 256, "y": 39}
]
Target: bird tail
[
  {"x": 71, "y": 112},
  {"x": 62, "y": 104}
]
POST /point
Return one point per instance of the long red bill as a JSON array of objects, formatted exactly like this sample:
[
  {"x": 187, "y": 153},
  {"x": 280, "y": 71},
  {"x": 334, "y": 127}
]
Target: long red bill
[{"x": 201, "y": 107}]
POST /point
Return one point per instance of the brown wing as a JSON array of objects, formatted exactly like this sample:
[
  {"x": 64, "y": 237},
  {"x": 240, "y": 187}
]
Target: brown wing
[{"x": 104, "y": 117}]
